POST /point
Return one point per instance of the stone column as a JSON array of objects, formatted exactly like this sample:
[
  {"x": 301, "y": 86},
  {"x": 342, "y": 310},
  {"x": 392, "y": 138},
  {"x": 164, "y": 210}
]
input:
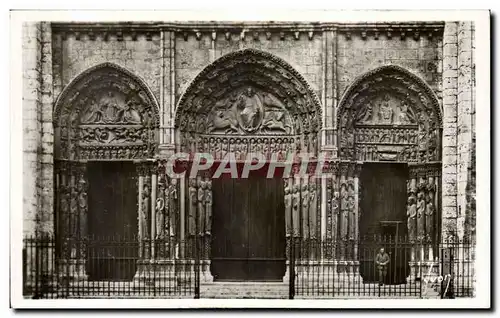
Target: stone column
[
  {"x": 411, "y": 213},
  {"x": 167, "y": 94},
  {"x": 357, "y": 213},
  {"x": 344, "y": 211},
  {"x": 411, "y": 210},
  {"x": 145, "y": 204},
  {"x": 288, "y": 189},
  {"x": 143, "y": 209},
  {"x": 161, "y": 216},
  {"x": 324, "y": 220},
  {"x": 172, "y": 222},
  {"x": 450, "y": 130},
  {"x": 430, "y": 213},
  {"x": 182, "y": 217},
  {"x": 335, "y": 210},
  {"x": 82, "y": 202},
  {"x": 314, "y": 191},
  {"x": 421, "y": 204},
  {"x": 296, "y": 207},
  {"x": 304, "y": 216},
  {"x": 154, "y": 184},
  {"x": 207, "y": 229}
]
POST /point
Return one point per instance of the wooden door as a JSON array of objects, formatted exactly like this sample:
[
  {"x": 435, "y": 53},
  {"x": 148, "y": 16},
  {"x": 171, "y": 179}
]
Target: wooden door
[
  {"x": 248, "y": 229},
  {"x": 112, "y": 221},
  {"x": 383, "y": 206}
]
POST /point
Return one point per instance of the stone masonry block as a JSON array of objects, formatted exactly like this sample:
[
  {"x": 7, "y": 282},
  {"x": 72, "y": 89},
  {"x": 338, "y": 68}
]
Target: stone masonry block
[{"x": 450, "y": 50}]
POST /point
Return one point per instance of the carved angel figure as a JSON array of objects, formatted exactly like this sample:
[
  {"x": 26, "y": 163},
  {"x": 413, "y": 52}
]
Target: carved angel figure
[
  {"x": 406, "y": 115},
  {"x": 94, "y": 114},
  {"x": 128, "y": 113}
]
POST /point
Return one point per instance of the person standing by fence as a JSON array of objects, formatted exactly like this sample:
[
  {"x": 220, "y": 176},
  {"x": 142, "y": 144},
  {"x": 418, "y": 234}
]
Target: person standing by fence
[{"x": 382, "y": 260}]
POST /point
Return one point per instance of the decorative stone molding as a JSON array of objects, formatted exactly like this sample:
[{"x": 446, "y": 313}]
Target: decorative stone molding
[
  {"x": 131, "y": 30},
  {"x": 431, "y": 30}
]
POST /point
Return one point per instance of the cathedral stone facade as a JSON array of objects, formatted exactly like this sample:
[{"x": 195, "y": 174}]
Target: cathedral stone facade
[{"x": 391, "y": 104}]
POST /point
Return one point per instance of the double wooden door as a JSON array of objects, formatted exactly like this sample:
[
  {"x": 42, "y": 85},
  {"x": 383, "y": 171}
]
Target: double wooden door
[
  {"x": 112, "y": 221},
  {"x": 248, "y": 240},
  {"x": 383, "y": 213}
]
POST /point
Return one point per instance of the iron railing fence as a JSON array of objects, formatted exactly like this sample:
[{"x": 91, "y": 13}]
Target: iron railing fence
[
  {"x": 119, "y": 267},
  {"x": 114, "y": 267},
  {"x": 348, "y": 268}
]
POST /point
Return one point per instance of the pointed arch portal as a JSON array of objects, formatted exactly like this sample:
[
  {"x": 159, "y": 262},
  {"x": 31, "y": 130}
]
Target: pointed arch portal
[
  {"x": 388, "y": 175},
  {"x": 106, "y": 124},
  {"x": 245, "y": 102}
]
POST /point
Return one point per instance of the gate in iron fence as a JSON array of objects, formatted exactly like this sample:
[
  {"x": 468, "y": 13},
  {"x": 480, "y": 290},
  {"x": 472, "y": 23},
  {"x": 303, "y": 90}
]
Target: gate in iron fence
[
  {"x": 391, "y": 267},
  {"x": 112, "y": 267}
]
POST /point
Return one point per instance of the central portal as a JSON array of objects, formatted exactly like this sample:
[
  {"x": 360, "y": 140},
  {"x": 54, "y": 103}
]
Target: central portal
[{"x": 248, "y": 229}]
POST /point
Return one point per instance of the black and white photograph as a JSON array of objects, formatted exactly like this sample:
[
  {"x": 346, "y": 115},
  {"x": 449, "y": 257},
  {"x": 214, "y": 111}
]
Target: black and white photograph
[{"x": 277, "y": 161}]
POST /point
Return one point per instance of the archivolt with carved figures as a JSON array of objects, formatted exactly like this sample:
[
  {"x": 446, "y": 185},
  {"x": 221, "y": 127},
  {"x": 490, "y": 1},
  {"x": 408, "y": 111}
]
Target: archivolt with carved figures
[
  {"x": 258, "y": 99},
  {"x": 106, "y": 113},
  {"x": 389, "y": 114}
]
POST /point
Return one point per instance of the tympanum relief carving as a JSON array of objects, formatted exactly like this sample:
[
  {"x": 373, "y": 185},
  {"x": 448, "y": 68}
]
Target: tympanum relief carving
[
  {"x": 389, "y": 116},
  {"x": 248, "y": 101},
  {"x": 106, "y": 113},
  {"x": 248, "y": 110}
]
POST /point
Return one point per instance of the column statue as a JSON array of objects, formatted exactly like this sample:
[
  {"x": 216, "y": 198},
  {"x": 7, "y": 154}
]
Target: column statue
[
  {"x": 296, "y": 209},
  {"x": 411, "y": 213},
  {"x": 160, "y": 211},
  {"x": 288, "y": 208},
  {"x": 173, "y": 211},
  {"x": 192, "y": 207},
  {"x": 208, "y": 207},
  {"x": 420, "y": 213},
  {"x": 305, "y": 211},
  {"x": 429, "y": 215},
  {"x": 145, "y": 210},
  {"x": 313, "y": 209},
  {"x": 351, "y": 209},
  {"x": 201, "y": 207},
  {"x": 344, "y": 210}
]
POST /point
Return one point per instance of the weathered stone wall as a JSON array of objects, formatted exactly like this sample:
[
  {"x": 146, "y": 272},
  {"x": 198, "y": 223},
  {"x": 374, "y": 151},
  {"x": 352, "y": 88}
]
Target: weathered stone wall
[
  {"x": 464, "y": 122},
  {"x": 450, "y": 85},
  {"x": 458, "y": 129},
  {"x": 304, "y": 54},
  {"x": 31, "y": 122},
  {"x": 38, "y": 136},
  {"x": 75, "y": 53},
  {"x": 418, "y": 53}
]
